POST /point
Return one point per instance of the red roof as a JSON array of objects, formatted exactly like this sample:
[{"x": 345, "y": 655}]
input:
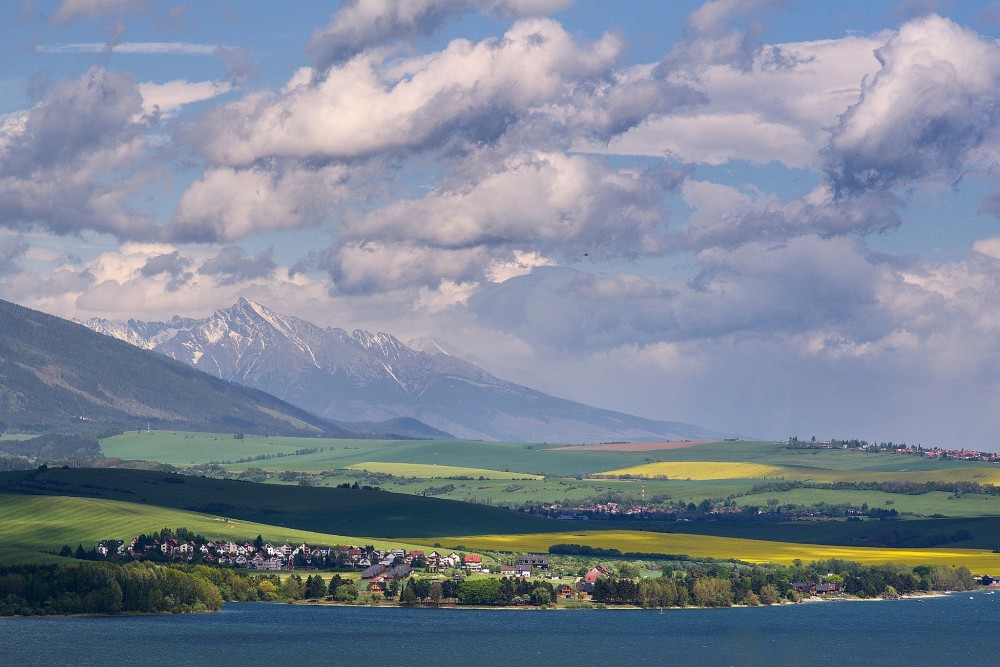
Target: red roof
[{"x": 473, "y": 558}]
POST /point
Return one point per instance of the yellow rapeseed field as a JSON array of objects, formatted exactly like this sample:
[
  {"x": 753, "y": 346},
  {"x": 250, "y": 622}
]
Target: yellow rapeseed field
[
  {"x": 980, "y": 561},
  {"x": 704, "y": 470},
  {"x": 428, "y": 471}
]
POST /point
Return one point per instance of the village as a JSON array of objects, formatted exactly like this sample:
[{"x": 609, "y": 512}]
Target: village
[
  {"x": 382, "y": 572},
  {"x": 377, "y": 568}
]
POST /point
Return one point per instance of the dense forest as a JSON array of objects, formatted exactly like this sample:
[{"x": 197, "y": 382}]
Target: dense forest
[{"x": 132, "y": 588}]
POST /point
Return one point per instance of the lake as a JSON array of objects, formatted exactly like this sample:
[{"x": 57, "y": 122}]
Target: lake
[{"x": 955, "y": 629}]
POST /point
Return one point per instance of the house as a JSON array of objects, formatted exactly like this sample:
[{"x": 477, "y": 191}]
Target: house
[
  {"x": 272, "y": 563},
  {"x": 593, "y": 574},
  {"x": 804, "y": 588},
  {"x": 565, "y": 591},
  {"x": 522, "y": 571},
  {"x": 507, "y": 570},
  {"x": 835, "y": 587},
  {"x": 473, "y": 562},
  {"x": 541, "y": 562},
  {"x": 374, "y": 571},
  {"x": 585, "y": 588}
]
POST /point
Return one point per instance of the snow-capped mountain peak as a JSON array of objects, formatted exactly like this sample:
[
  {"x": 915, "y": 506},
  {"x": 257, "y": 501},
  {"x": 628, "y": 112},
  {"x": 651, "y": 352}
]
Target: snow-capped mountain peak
[{"x": 368, "y": 376}]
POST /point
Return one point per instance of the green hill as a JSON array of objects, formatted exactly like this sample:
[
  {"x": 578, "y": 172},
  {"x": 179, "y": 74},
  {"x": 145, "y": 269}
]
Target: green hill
[
  {"x": 32, "y": 528},
  {"x": 59, "y": 376},
  {"x": 325, "y": 510}
]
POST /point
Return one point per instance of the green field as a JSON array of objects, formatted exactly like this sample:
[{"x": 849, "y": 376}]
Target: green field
[
  {"x": 178, "y": 448},
  {"x": 925, "y": 504},
  {"x": 486, "y": 473},
  {"x": 181, "y": 448},
  {"x": 30, "y": 526},
  {"x": 424, "y": 471},
  {"x": 566, "y": 490}
]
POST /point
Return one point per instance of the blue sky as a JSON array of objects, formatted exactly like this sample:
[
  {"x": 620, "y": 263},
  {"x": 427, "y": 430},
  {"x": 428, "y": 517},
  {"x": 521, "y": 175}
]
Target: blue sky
[{"x": 772, "y": 218}]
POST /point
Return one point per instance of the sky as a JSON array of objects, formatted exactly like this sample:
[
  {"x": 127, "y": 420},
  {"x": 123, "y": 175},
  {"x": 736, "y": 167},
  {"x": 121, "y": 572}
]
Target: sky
[{"x": 772, "y": 218}]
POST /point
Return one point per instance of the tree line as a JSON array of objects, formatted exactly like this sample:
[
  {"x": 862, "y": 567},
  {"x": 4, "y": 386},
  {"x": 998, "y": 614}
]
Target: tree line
[{"x": 724, "y": 584}]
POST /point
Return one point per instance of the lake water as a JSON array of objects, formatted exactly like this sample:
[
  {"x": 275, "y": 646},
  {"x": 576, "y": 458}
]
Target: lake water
[{"x": 960, "y": 629}]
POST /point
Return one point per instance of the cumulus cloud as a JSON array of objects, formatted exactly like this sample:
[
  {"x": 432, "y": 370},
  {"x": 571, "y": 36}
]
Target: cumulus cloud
[
  {"x": 720, "y": 32},
  {"x": 365, "y": 106},
  {"x": 69, "y": 163},
  {"x": 359, "y": 25},
  {"x": 228, "y": 204},
  {"x": 926, "y": 113},
  {"x": 368, "y": 267},
  {"x": 555, "y": 203},
  {"x": 234, "y": 265},
  {"x": 789, "y": 123}
]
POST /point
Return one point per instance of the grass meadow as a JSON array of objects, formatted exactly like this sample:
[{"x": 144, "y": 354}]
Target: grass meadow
[
  {"x": 425, "y": 471},
  {"x": 926, "y": 504}
]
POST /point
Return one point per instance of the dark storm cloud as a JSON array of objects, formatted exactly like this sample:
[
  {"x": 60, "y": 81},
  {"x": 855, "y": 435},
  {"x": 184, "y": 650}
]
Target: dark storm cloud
[
  {"x": 71, "y": 166},
  {"x": 172, "y": 264},
  {"x": 12, "y": 249},
  {"x": 758, "y": 289},
  {"x": 233, "y": 265}
]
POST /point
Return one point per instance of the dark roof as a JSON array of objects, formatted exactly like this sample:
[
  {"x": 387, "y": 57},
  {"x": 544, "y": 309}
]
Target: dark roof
[{"x": 373, "y": 571}]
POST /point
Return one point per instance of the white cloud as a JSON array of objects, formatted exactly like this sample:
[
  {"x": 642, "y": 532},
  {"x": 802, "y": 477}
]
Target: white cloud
[
  {"x": 228, "y": 204},
  {"x": 778, "y": 109},
  {"x": 551, "y": 202},
  {"x": 167, "y": 98},
  {"x": 927, "y": 112},
  {"x": 364, "y": 24},
  {"x": 367, "y": 267},
  {"x": 360, "y": 108},
  {"x": 142, "y": 48},
  {"x": 519, "y": 264}
]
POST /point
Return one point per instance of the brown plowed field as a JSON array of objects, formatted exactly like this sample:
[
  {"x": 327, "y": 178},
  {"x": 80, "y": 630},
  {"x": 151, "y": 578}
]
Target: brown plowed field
[{"x": 633, "y": 446}]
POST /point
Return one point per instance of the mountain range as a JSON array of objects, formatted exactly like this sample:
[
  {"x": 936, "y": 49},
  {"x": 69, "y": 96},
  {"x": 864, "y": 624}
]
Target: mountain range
[
  {"x": 57, "y": 376},
  {"x": 372, "y": 377}
]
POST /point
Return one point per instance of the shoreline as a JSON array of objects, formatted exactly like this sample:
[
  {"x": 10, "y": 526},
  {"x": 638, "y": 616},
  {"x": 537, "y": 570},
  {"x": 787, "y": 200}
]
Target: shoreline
[{"x": 600, "y": 606}]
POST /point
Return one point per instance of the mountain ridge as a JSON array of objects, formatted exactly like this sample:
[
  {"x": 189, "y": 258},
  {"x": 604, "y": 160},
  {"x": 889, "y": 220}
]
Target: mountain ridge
[
  {"x": 365, "y": 377},
  {"x": 58, "y": 375}
]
